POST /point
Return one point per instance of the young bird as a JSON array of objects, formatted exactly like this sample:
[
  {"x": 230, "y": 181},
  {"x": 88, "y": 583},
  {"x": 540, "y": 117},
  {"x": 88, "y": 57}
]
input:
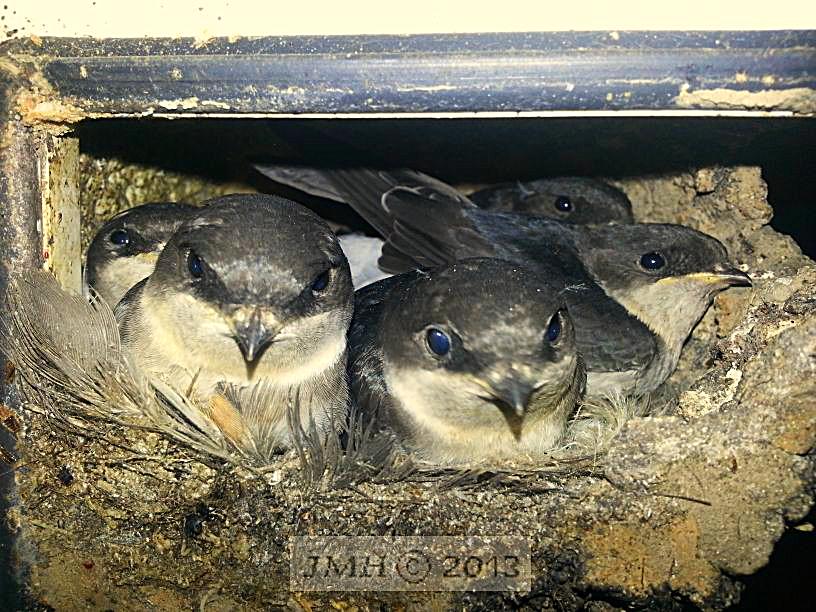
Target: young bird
[
  {"x": 124, "y": 251},
  {"x": 665, "y": 275},
  {"x": 573, "y": 199},
  {"x": 632, "y": 315},
  {"x": 468, "y": 363},
  {"x": 251, "y": 289}
]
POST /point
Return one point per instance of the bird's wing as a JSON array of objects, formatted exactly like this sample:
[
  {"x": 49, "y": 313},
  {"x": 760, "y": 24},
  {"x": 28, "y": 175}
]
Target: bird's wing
[
  {"x": 365, "y": 367},
  {"x": 424, "y": 221},
  {"x": 609, "y": 338},
  {"x": 321, "y": 181},
  {"x": 314, "y": 181},
  {"x": 438, "y": 226},
  {"x": 370, "y": 191}
]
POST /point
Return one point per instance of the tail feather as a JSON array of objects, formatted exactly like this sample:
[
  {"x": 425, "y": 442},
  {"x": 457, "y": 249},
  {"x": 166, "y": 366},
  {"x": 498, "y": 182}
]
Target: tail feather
[{"x": 313, "y": 181}]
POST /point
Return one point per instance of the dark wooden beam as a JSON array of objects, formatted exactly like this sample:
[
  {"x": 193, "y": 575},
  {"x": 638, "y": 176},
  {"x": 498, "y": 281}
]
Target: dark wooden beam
[{"x": 498, "y": 73}]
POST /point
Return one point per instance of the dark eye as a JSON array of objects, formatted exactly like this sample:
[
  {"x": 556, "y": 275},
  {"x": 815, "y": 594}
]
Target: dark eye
[
  {"x": 120, "y": 237},
  {"x": 652, "y": 261},
  {"x": 195, "y": 265},
  {"x": 554, "y": 328},
  {"x": 438, "y": 342},
  {"x": 563, "y": 204},
  {"x": 321, "y": 282}
]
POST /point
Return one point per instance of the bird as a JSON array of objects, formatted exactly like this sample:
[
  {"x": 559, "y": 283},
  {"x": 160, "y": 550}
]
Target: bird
[
  {"x": 571, "y": 199},
  {"x": 635, "y": 291},
  {"x": 665, "y": 275},
  {"x": 251, "y": 290},
  {"x": 125, "y": 249},
  {"x": 466, "y": 363}
]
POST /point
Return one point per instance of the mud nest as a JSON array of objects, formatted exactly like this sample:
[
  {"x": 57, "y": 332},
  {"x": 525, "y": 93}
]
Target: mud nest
[{"x": 672, "y": 513}]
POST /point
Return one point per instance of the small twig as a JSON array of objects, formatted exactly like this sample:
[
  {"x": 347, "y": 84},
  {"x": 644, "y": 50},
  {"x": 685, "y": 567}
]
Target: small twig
[{"x": 683, "y": 497}]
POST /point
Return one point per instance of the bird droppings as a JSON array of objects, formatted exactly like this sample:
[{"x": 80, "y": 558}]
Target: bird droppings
[
  {"x": 184, "y": 104},
  {"x": 56, "y": 114},
  {"x": 678, "y": 508},
  {"x": 801, "y": 99}
]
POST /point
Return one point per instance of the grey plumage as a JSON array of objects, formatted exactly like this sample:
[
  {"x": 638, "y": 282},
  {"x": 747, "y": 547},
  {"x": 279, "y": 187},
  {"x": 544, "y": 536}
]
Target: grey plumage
[
  {"x": 116, "y": 261},
  {"x": 125, "y": 249},
  {"x": 68, "y": 352},
  {"x": 252, "y": 289},
  {"x": 506, "y": 386},
  {"x": 320, "y": 181},
  {"x": 573, "y": 199},
  {"x": 631, "y": 343}
]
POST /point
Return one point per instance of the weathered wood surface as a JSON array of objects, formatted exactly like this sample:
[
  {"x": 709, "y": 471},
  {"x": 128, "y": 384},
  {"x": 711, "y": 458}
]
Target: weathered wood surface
[{"x": 568, "y": 72}]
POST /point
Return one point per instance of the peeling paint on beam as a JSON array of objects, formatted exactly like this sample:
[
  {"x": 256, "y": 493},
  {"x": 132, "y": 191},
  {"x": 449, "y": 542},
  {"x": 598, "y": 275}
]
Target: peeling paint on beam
[
  {"x": 460, "y": 115},
  {"x": 799, "y": 100}
]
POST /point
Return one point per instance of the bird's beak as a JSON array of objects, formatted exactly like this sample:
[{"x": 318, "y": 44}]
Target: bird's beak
[
  {"x": 512, "y": 397},
  {"x": 150, "y": 258},
  {"x": 253, "y": 336},
  {"x": 733, "y": 276},
  {"x": 725, "y": 276}
]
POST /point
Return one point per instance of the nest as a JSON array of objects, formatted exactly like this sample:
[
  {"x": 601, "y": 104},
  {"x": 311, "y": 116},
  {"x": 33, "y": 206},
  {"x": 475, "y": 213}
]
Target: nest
[{"x": 131, "y": 496}]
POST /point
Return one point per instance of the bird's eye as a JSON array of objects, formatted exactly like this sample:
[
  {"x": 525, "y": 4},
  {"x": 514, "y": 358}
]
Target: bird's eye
[
  {"x": 554, "y": 328},
  {"x": 652, "y": 261},
  {"x": 438, "y": 342},
  {"x": 320, "y": 282},
  {"x": 563, "y": 204},
  {"x": 120, "y": 237},
  {"x": 195, "y": 265}
]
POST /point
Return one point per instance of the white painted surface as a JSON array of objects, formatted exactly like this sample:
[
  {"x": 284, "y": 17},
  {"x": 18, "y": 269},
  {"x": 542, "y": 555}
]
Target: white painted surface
[{"x": 203, "y": 19}]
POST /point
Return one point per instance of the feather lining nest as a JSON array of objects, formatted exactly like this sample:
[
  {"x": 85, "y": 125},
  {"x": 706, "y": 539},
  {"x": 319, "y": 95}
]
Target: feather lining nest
[{"x": 67, "y": 351}]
